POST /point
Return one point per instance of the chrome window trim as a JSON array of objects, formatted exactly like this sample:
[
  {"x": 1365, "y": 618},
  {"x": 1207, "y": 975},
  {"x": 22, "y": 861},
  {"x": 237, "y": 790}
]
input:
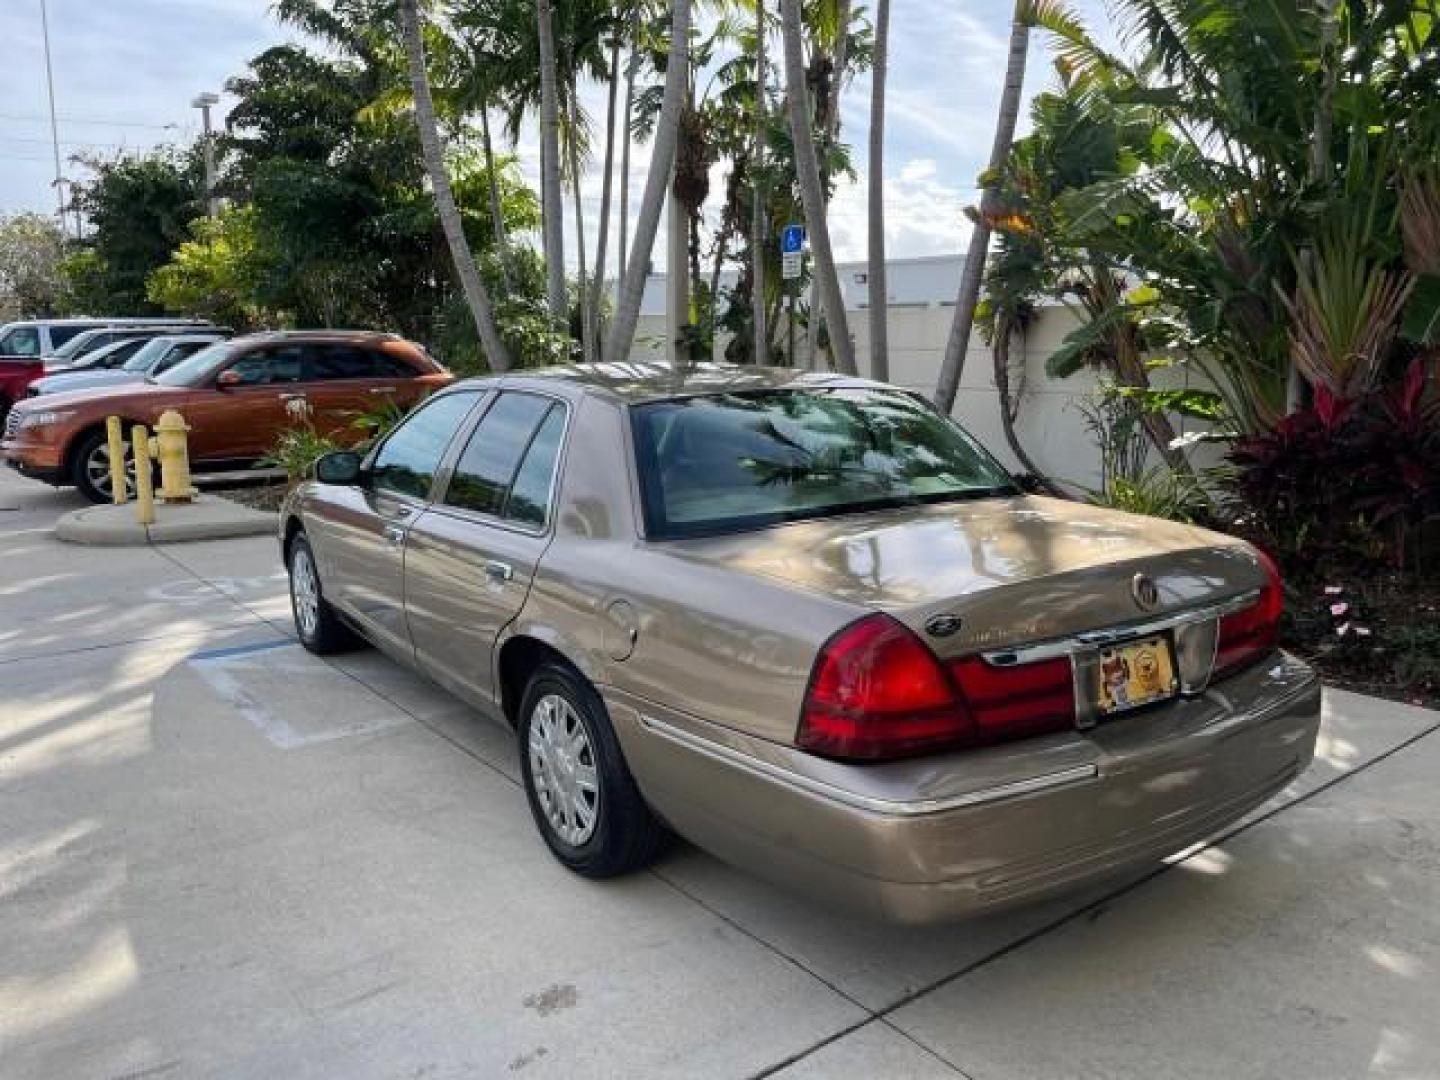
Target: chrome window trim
[{"x": 1077, "y": 774}]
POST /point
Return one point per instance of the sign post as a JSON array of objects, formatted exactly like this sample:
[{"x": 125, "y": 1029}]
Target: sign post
[{"x": 792, "y": 255}]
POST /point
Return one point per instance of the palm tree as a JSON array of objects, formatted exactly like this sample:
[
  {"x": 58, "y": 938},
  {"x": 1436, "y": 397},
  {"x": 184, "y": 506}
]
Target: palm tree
[
  {"x": 839, "y": 56},
  {"x": 632, "y": 66},
  {"x": 657, "y": 181},
  {"x": 974, "y": 272},
  {"x": 757, "y": 198},
  {"x": 552, "y": 221},
  {"x": 572, "y": 141},
  {"x": 597, "y": 285},
  {"x": 879, "y": 287},
  {"x": 807, "y": 168},
  {"x": 450, "y": 222}
]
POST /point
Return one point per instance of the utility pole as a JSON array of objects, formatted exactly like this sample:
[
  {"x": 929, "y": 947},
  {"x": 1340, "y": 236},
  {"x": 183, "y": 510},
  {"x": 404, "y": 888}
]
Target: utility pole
[
  {"x": 203, "y": 103},
  {"x": 54, "y": 127}
]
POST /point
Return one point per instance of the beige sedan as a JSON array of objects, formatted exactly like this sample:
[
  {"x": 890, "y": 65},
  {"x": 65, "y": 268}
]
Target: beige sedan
[{"x": 808, "y": 623}]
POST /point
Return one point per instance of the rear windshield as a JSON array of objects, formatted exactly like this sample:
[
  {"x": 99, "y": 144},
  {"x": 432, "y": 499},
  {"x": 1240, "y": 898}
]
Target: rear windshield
[{"x": 731, "y": 462}]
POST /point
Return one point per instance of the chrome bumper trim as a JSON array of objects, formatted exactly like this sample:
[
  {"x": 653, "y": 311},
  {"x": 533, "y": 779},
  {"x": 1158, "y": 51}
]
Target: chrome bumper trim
[
  {"x": 1238, "y": 717},
  {"x": 1077, "y": 774},
  {"x": 1094, "y": 639}
]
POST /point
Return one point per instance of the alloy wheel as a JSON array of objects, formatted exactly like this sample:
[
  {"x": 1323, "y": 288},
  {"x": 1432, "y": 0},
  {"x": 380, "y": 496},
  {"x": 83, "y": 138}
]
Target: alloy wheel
[{"x": 97, "y": 469}]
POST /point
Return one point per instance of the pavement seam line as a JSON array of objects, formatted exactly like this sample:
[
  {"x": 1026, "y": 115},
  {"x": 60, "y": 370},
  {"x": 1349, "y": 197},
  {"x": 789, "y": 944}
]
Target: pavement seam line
[
  {"x": 180, "y": 636},
  {"x": 467, "y": 751},
  {"x": 800, "y": 965},
  {"x": 1032, "y": 936},
  {"x": 159, "y": 549}
]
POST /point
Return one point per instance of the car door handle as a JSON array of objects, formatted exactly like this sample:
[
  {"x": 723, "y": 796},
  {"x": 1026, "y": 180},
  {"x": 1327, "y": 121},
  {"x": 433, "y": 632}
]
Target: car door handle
[
  {"x": 498, "y": 571},
  {"x": 382, "y": 390}
]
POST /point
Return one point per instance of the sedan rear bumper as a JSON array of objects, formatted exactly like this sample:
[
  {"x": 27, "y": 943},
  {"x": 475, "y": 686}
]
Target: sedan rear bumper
[{"x": 943, "y": 837}]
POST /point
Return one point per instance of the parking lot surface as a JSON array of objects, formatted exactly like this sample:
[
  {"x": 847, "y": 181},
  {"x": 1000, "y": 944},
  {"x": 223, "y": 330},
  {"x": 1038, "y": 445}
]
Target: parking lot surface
[{"x": 221, "y": 856}]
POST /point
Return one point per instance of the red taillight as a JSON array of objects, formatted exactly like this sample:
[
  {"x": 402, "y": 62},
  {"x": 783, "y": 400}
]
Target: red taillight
[
  {"x": 878, "y": 692},
  {"x": 1249, "y": 635},
  {"x": 1019, "y": 700}
]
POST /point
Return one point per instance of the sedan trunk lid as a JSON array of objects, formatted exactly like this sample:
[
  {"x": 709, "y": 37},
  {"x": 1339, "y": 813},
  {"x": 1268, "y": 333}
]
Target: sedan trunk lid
[{"x": 999, "y": 572}]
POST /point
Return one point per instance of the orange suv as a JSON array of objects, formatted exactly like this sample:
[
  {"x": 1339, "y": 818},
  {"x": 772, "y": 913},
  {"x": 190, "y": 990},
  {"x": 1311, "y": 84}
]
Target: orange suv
[{"x": 237, "y": 396}]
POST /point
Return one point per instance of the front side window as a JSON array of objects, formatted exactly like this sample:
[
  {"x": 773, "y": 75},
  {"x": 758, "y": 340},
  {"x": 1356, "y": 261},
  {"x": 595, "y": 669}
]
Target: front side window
[
  {"x": 730, "y": 462},
  {"x": 22, "y": 341},
  {"x": 176, "y": 354},
  {"x": 268, "y": 367},
  {"x": 408, "y": 460},
  {"x": 489, "y": 462},
  {"x": 119, "y": 352},
  {"x": 199, "y": 369}
]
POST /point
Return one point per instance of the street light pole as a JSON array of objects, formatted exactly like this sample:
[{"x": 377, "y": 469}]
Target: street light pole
[
  {"x": 203, "y": 103},
  {"x": 54, "y": 127}
]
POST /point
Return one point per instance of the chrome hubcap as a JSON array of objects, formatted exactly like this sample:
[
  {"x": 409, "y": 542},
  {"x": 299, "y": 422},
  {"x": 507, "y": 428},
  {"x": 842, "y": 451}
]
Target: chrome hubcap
[
  {"x": 562, "y": 768},
  {"x": 305, "y": 592},
  {"x": 97, "y": 469}
]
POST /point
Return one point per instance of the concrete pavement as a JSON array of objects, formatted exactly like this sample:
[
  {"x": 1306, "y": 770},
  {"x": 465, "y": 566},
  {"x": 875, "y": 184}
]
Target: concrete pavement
[{"x": 220, "y": 856}]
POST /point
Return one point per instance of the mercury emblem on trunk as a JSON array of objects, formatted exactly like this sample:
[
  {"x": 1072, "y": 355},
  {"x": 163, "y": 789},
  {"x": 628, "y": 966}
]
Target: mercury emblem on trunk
[
  {"x": 1145, "y": 591},
  {"x": 942, "y": 625}
]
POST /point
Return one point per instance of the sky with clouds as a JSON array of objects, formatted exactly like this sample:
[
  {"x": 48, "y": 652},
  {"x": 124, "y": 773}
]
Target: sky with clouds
[{"x": 126, "y": 70}]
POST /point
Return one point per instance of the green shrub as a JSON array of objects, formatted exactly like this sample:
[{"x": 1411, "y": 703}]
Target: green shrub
[{"x": 297, "y": 449}]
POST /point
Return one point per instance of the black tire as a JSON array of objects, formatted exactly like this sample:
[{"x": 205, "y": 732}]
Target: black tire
[
  {"x": 317, "y": 625},
  {"x": 91, "y": 447},
  {"x": 625, "y": 835}
]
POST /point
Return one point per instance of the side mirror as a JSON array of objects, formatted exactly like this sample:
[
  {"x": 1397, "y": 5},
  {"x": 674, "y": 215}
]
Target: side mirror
[
  {"x": 227, "y": 380},
  {"x": 339, "y": 467}
]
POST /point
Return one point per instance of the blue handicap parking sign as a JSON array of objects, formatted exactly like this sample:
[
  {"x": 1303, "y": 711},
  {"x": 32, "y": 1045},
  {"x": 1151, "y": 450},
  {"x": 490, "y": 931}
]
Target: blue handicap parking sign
[{"x": 792, "y": 239}]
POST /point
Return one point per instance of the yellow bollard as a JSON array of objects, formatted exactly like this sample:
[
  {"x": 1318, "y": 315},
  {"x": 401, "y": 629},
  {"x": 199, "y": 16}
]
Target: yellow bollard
[
  {"x": 172, "y": 449},
  {"x": 144, "y": 480},
  {"x": 115, "y": 436}
]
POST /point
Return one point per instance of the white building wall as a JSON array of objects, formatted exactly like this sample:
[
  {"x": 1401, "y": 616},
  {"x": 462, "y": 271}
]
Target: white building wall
[{"x": 1050, "y": 425}]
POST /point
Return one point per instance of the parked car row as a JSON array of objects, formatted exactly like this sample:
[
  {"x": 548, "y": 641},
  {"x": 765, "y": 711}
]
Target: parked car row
[
  {"x": 236, "y": 394},
  {"x": 30, "y": 349}
]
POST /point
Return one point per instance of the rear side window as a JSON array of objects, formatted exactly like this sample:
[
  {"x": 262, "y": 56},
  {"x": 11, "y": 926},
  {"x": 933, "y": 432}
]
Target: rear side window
[
  {"x": 407, "y": 461},
  {"x": 341, "y": 362},
  {"x": 492, "y": 457},
  {"x": 392, "y": 367},
  {"x": 529, "y": 499}
]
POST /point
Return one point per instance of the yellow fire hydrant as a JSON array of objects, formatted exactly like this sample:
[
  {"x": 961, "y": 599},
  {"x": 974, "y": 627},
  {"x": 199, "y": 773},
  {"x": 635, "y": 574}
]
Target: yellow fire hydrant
[{"x": 172, "y": 448}]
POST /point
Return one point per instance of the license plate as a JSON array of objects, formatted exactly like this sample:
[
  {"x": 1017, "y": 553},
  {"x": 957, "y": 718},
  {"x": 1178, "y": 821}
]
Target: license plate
[{"x": 1136, "y": 673}]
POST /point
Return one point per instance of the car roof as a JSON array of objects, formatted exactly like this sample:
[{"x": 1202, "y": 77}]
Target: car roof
[
  {"x": 346, "y": 337},
  {"x": 635, "y": 383}
]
